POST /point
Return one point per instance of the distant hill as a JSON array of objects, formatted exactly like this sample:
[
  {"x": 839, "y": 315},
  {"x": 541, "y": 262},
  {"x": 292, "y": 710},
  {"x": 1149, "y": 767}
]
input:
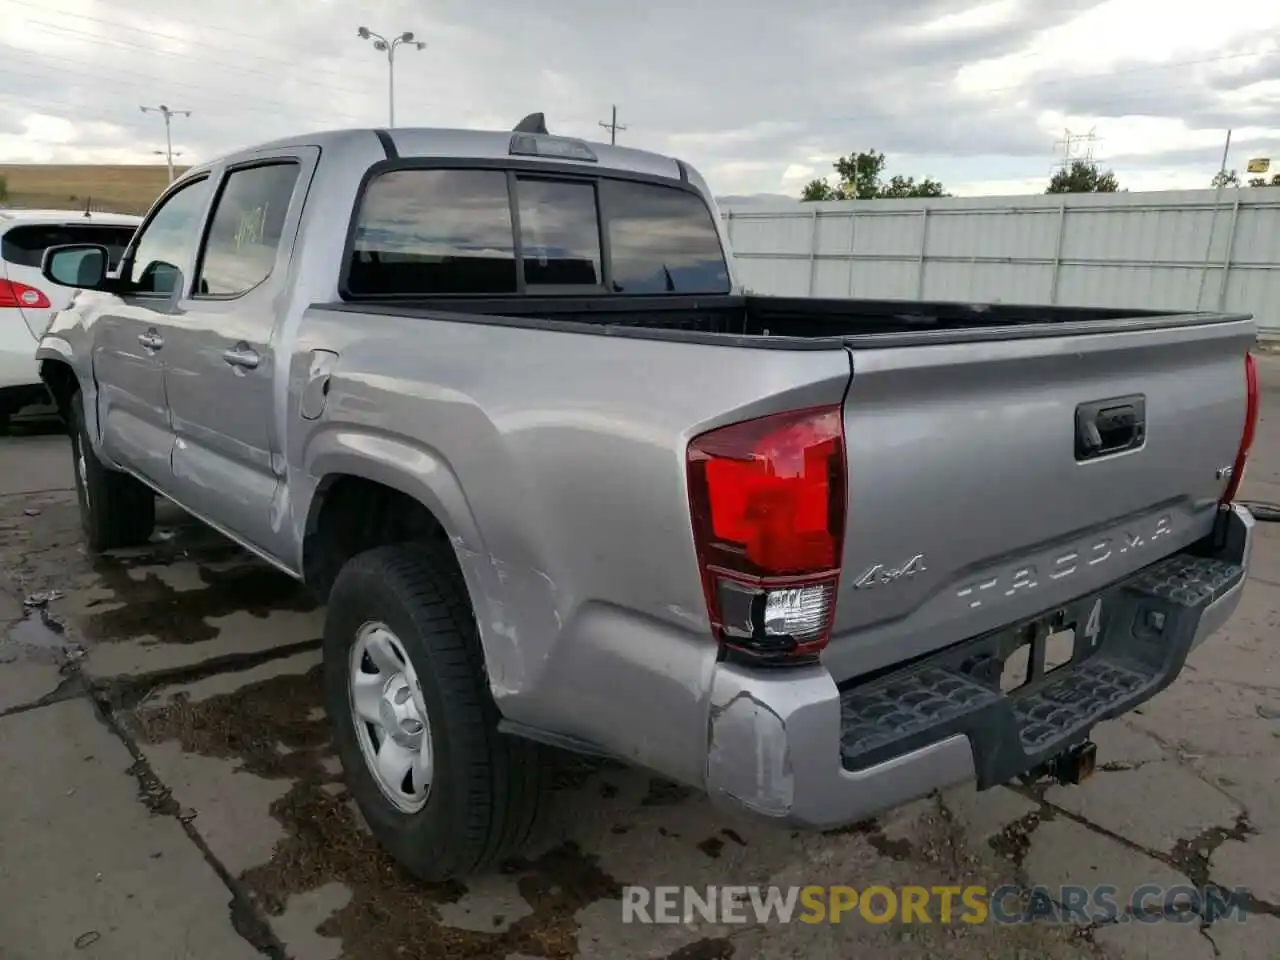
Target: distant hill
[{"x": 120, "y": 188}]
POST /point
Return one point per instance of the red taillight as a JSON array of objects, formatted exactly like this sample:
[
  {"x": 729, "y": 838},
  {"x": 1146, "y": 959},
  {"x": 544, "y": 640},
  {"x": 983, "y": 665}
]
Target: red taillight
[
  {"x": 14, "y": 294},
  {"x": 768, "y": 503},
  {"x": 1250, "y": 428}
]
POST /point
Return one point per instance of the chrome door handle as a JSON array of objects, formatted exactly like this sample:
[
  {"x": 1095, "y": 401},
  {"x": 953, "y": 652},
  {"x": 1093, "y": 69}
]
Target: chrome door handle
[
  {"x": 151, "y": 341},
  {"x": 241, "y": 357}
]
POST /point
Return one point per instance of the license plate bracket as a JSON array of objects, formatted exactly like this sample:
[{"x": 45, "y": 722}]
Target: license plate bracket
[{"x": 1053, "y": 641}]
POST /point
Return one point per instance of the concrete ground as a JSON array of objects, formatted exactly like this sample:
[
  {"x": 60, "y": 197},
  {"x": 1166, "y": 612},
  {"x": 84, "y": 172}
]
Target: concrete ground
[{"x": 168, "y": 789}]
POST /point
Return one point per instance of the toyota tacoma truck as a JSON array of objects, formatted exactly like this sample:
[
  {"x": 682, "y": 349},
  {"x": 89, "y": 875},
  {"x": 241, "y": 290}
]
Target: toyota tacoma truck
[{"x": 498, "y": 400}]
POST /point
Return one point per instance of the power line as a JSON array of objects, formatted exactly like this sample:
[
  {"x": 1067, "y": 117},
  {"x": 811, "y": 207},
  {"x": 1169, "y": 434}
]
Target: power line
[
  {"x": 260, "y": 105},
  {"x": 203, "y": 29},
  {"x": 1115, "y": 97},
  {"x": 312, "y": 69},
  {"x": 256, "y": 105},
  {"x": 239, "y": 68},
  {"x": 168, "y": 115},
  {"x": 345, "y": 71},
  {"x": 1110, "y": 74},
  {"x": 613, "y": 126}
]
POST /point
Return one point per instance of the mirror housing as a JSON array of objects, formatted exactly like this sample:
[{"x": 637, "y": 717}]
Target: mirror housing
[
  {"x": 162, "y": 278},
  {"x": 82, "y": 265}
]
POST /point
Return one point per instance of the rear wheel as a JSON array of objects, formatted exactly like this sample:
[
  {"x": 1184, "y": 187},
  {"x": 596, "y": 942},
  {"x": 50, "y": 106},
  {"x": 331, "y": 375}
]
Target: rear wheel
[
  {"x": 443, "y": 791},
  {"x": 115, "y": 509}
]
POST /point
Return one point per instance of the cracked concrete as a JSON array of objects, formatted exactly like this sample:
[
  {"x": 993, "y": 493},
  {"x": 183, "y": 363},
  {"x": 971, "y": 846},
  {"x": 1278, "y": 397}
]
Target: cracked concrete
[{"x": 217, "y": 756}]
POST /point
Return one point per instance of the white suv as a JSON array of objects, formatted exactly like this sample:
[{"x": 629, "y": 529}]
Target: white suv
[{"x": 27, "y": 303}]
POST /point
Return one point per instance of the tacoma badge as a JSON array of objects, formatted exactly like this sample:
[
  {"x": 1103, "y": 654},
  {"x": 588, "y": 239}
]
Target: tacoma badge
[{"x": 881, "y": 574}]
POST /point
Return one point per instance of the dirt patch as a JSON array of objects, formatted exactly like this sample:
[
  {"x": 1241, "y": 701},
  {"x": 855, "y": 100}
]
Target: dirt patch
[
  {"x": 717, "y": 948},
  {"x": 275, "y": 729},
  {"x": 665, "y": 793}
]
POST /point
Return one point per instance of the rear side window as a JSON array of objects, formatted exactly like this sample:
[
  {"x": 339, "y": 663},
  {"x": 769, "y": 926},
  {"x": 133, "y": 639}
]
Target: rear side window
[
  {"x": 246, "y": 229},
  {"x": 422, "y": 232},
  {"x": 24, "y": 246},
  {"x": 433, "y": 232},
  {"x": 662, "y": 241}
]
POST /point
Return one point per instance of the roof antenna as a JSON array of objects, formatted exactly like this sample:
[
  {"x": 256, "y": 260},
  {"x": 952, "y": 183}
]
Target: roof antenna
[{"x": 533, "y": 123}]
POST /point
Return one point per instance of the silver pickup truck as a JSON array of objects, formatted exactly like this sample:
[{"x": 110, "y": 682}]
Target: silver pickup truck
[{"x": 496, "y": 398}]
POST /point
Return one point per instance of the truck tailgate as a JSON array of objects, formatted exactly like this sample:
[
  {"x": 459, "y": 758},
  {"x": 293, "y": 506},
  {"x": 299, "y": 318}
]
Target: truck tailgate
[{"x": 973, "y": 499}]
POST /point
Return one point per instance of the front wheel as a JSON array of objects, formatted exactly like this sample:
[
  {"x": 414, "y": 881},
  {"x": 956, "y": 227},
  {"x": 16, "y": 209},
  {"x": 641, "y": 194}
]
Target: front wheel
[
  {"x": 444, "y": 792},
  {"x": 116, "y": 510}
]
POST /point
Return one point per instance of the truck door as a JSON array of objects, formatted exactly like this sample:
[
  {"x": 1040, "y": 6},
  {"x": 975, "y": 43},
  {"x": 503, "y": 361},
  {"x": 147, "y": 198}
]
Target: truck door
[
  {"x": 221, "y": 368},
  {"x": 131, "y": 335}
]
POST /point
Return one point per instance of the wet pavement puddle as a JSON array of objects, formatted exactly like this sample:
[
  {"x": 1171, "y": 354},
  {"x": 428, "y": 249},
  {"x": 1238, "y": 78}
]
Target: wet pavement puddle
[{"x": 207, "y": 660}]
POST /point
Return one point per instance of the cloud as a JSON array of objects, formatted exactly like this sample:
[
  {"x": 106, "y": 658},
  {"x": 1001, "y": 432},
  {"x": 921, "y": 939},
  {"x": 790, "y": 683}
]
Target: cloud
[{"x": 760, "y": 97}]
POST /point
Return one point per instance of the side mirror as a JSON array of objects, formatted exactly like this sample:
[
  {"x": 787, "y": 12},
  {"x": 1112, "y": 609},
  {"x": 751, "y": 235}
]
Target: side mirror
[{"x": 76, "y": 265}]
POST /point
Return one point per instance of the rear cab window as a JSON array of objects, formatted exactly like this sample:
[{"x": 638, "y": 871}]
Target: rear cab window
[
  {"x": 424, "y": 232},
  {"x": 24, "y": 245},
  {"x": 457, "y": 231}
]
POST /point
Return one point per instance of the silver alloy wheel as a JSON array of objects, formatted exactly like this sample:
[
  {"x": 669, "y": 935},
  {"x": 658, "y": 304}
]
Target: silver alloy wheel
[{"x": 390, "y": 717}]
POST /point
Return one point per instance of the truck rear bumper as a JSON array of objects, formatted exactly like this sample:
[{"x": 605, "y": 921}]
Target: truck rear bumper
[{"x": 803, "y": 750}]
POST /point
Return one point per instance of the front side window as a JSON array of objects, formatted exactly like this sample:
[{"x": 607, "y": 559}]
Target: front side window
[
  {"x": 662, "y": 240},
  {"x": 167, "y": 244},
  {"x": 424, "y": 232},
  {"x": 246, "y": 229}
]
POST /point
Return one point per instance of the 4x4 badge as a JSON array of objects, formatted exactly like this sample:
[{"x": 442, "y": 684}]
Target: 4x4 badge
[{"x": 880, "y": 574}]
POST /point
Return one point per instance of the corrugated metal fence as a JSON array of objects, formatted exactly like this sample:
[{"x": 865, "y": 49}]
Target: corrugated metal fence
[{"x": 1167, "y": 250}]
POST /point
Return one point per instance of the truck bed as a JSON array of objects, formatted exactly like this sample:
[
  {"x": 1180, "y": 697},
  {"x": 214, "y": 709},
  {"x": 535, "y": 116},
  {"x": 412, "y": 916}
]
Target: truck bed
[
  {"x": 970, "y": 503},
  {"x": 788, "y": 322}
]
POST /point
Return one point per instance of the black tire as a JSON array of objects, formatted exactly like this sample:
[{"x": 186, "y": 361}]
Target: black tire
[
  {"x": 485, "y": 797},
  {"x": 115, "y": 509}
]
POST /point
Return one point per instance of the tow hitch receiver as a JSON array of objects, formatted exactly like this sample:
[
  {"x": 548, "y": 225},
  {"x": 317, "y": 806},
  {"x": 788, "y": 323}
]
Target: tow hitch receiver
[{"x": 1076, "y": 765}]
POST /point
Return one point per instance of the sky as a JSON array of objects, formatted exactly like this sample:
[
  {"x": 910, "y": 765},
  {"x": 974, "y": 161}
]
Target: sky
[{"x": 760, "y": 97}]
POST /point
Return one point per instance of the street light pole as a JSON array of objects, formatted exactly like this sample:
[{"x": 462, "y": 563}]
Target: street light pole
[
  {"x": 168, "y": 115},
  {"x": 382, "y": 44}
]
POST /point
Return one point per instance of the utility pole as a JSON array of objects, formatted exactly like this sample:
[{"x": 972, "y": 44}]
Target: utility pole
[
  {"x": 168, "y": 115},
  {"x": 613, "y": 126},
  {"x": 383, "y": 45},
  {"x": 1213, "y": 224}
]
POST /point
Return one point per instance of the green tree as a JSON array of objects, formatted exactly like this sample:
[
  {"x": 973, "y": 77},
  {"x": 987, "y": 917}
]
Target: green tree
[
  {"x": 1083, "y": 176},
  {"x": 860, "y": 177},
  {"x": 1231, "y": 178},
  {"x": 907, "y": 187},
  {"x": 819, "y": 190}
]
